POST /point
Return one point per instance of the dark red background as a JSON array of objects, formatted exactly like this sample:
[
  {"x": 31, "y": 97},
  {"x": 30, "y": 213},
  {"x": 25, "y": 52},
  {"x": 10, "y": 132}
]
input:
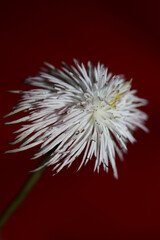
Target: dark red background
[{"x": 124, "y": 35}]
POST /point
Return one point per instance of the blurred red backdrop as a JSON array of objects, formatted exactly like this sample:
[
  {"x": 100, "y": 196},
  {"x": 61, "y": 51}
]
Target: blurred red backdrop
[{"x": 125, "y": 36}]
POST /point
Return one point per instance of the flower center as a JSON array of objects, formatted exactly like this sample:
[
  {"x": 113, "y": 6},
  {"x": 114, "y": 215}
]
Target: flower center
[{"x": 96, "y": 106}]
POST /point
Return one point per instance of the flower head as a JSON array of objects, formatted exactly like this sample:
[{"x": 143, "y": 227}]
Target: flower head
[{"x": 77, "y": 110}]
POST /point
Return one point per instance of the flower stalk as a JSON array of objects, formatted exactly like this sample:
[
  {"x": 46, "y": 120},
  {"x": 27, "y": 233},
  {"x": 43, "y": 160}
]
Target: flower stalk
[{"x": 24, "y": 191}]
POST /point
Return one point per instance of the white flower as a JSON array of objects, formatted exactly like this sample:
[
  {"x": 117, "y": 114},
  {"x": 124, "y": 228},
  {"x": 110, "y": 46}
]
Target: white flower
[{"x": 79, "y": 109}]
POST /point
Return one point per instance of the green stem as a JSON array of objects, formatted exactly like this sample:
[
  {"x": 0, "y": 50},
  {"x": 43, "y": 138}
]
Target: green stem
[{"x": 26, "y": 188}]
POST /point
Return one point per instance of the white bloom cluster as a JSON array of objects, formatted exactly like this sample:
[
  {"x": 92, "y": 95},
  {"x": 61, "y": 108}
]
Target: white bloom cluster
[{"x": 79, "y": 109}]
